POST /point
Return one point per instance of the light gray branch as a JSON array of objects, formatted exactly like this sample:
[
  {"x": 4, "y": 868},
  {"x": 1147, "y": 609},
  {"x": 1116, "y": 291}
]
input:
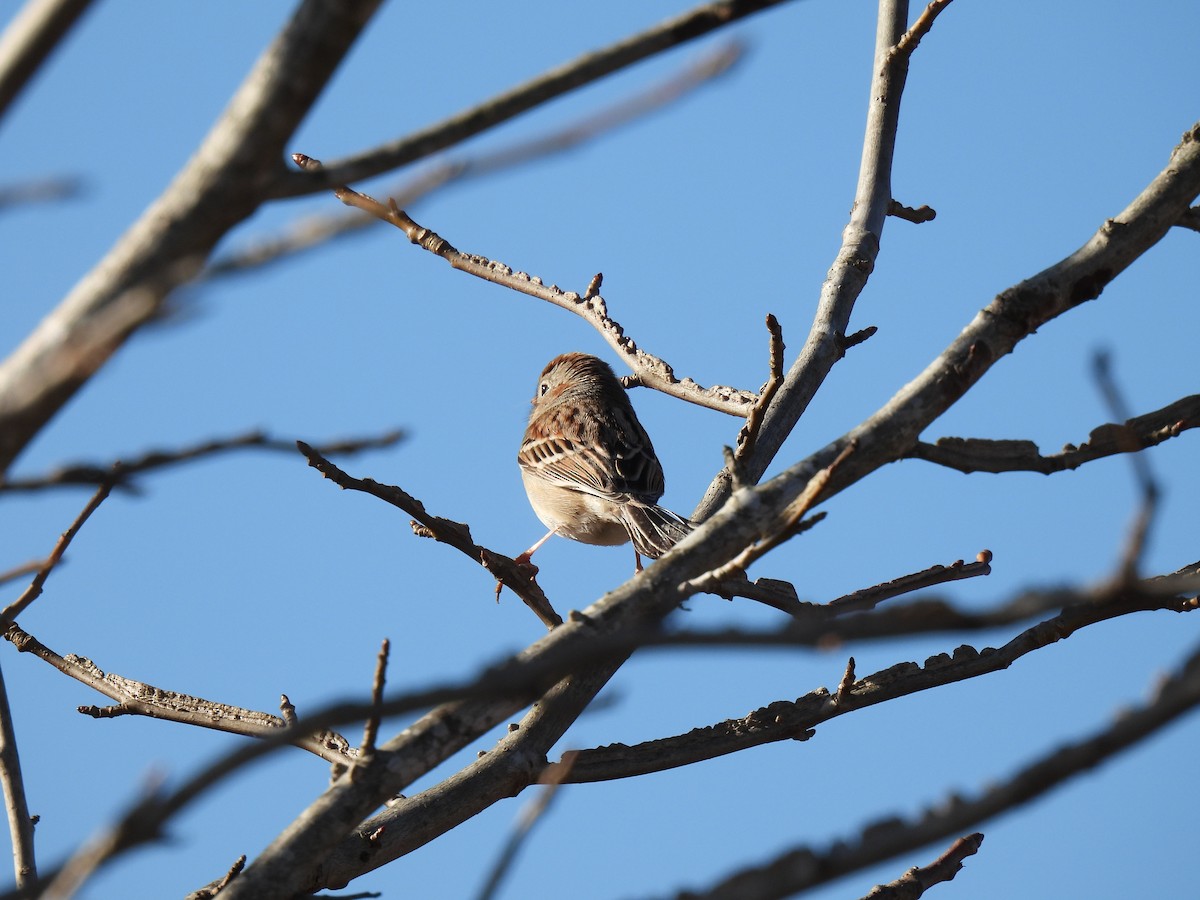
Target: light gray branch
[
  {"x": 141, "y": 699},
  {"x": 30, "y": 38},
  {"x": 220, "y": 186},
  {"x": 804, "y": 867},
  {"x": 1133, "y": 435},
  {"x": 20, "y": 823},
  {"x": 558, "y": 81}
]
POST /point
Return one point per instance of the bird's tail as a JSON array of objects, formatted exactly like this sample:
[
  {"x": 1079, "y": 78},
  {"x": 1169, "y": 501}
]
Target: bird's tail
[{"x": 653, "y": 529}]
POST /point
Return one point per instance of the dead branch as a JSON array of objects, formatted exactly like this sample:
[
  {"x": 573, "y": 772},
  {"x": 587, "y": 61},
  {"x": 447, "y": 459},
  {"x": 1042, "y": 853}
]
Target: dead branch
[
  {"x": 314, "y": 231},
  {"x": 220, "y": 186},
  {"x": 982, "y": 455},
  {"x": 20, "y": 823},
  {"x": 560, "y": 80},
  {"x": 649, "y": 370},
  {"x": 530, "y": 815},
  {"x": 30, "y": 38},
  {"x": 458, "y": 535},
  {"x": 784, "y": 720},
  {"x": 1144, "y": 477},
  {"x": 122, "y": 474},
  {"x": 141, "y": 699},
  {"x": 31, "y": 593},
  {"x": 913, "y": 883},
  {"x": 804, "y": 867}
]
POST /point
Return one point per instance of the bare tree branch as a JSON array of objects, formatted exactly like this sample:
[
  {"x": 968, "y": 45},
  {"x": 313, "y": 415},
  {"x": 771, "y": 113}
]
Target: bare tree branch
[
  {"x": 649, "y": 370},
  {"x": 220, "y": 186},
  {"x": 30, "y": 38},
  {"x": 1148, "y": 487},
  {"x": 749, "y": 433},
  {"x": 784, "y": 720},
  {"x": 530, "y": 815},
  {"x": 554, "y": 83},
  {"x": 1190, "y": 219},
  {"x": 141, "y": 699},
  {"x": 982, "y": 455},
  {"x": 918, "y": 879},
  {"x": 804, "y": 868},
  {"x": 20, "y": 823},
  {"x": 313, "y": 231},
  {"x": 121, "y": 474},
  {"x": 918, "y": 216},
  {"x": 23, "y": 569},
  {"x": 39, "y": 191},
  {"x": 458, "y": 535},
  {"x": 31, "y": 593},
  {"x": 855, "y": 259}
]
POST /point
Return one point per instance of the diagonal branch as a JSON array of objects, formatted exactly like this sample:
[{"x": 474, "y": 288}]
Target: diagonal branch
[
  {"x": 784, "y": 720},
  {"x": 982, "y": 455},
  {"x": 913, "y": 883},
  {"x": 31, "y": 593},
  {"x": 456, "y": 534},
  {"x": 826, "y": 341},
  {"x": 804, "y": 867},
  {"x": 30, "y": 38},
  {"x": 314, "y": 231},
  {"x": 20, "y": 823},
  {"x": 121, "y": 474},
  {"x": 141, "y": 699},
  {"x": 558, "y": 81},
  {"x": 221, "y": 185},
  {"x": 649, "y": 370}
]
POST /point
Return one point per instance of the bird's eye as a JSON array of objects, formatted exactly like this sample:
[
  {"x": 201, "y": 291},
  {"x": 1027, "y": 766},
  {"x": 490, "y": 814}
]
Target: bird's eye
[{"x": 544, "y": 387}]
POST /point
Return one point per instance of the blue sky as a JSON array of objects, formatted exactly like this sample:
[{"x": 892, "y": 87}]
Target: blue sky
[{"x": 1025, "y": 125}]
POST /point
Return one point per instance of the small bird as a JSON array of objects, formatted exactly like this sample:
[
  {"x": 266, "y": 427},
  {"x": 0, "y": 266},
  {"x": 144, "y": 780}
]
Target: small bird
[{"x": 588, "y": 465}]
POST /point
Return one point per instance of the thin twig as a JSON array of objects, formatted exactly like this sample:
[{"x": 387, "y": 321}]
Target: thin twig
[
  {"x": 30, "y": 37},
  {"x": 456, "y": 534},
  {"x": 649, "y": 371},
  {"x": 371, "y": 729},
  {"x": 749, "y": 432},
  {"x": 41, "y": 191},
  {"x": 556, "y": 82},
  {"x": 1139, "y": 433},
  {"x": 313, "y": 231},
  {"x": 1139, "y": 533},
  {"x": 31, "y": 593},
  {"x": 20, "y": 823},
  {"x": 913, "y": 883},
  {"x": 211, "y": 891},
  {"x": 907, "y": 44},
  {"x": 918, "y": 216},
  {"x": 18, "y": 572},
  {"x": 138, "y": 698},
  {"x": 530, "y": 816},
  {"x": 786, "y": 527},
  {"x": 122, "y": 474}
]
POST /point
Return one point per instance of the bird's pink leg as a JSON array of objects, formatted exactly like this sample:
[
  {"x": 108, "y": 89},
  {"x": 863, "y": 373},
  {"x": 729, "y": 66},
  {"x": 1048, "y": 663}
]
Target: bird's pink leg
[{"x": 524, "y": 558}]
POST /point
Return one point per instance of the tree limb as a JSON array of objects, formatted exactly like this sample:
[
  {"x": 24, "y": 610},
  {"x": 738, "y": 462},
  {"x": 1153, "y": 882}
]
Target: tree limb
[
  {"x": 983, "y": 455},
  {"x": 121, "y": 474},
  {"x": 30, "y": 38},
  {"x": 558, "y": 81},
  {"x": 516, "y": 578},
  {"x": 219, "y": 187},
  {"x": 803, "y": 868},
  {"x": 649, "y": 370}
]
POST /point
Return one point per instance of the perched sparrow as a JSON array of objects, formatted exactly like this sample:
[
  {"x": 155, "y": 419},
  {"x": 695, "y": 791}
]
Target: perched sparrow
[{"x": 589, "y": 467}]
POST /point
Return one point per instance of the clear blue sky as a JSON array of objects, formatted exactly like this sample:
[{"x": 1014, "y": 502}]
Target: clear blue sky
[{"x": 1024, "y": 125}]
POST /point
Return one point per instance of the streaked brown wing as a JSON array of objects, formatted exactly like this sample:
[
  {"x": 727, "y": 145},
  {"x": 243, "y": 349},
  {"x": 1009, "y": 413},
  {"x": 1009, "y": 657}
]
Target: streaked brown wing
[{"x": 560, "y": 461}]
